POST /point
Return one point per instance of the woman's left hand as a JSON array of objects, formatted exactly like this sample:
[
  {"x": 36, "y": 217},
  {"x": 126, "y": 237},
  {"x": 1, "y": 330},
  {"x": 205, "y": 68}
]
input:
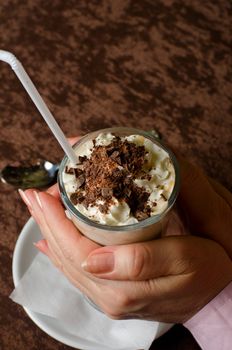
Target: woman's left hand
[{"x": 166, "y": 279}]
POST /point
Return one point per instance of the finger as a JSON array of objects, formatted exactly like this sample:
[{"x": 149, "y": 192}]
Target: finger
[
  {"x": 140, "y": 261},
  {"x": 207, "y": 212},
  {"x": 54, "y": 191},
  {"x": 73, "y": 140},
  {"x": 173, "y": 224},
  {"x": 66, "y": 257},
  {"x": 65, "y": 241},
  {"x": 31, "y": 197},
  {"x": 72, "y": 243},
  {"x": 43, "y": 247},
  {"x": 222, "y": 191}
]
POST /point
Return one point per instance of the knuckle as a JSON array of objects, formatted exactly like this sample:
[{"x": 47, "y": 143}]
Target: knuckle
[
  {"x": 113, "y": 316},
  {"x": 140, "y": 258},
  {"x": 112, "y": 312},
  {"x": 58, "y": 264},
  {"x": 67, "y": 255},
  {"x": 123, "y": 301},
  {"x": 182, "y": 249},
  {"x": 118, "y": 306},
  {"x": 185, "y": 258}
]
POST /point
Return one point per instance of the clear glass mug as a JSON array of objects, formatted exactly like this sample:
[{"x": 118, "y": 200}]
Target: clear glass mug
[{"x": 112, "y": 235}]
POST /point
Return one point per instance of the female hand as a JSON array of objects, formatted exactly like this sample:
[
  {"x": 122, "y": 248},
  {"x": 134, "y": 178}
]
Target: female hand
[{"x": 167, "y": 279}]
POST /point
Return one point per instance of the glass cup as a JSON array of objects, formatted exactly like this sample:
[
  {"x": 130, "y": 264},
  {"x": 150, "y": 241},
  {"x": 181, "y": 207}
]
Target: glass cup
[{"x": 144, "y": 230}]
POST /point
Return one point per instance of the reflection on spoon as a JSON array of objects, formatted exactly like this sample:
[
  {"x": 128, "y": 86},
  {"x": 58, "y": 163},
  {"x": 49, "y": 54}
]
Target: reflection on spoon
[{"x": 41, "y": 175}]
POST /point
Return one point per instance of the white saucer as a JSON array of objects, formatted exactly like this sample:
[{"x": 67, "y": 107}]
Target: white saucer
[{"x": 24, "y": 254}]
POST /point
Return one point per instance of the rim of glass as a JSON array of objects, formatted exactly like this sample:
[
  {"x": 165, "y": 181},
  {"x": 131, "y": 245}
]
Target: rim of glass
[{"x": 146, "y": 222}]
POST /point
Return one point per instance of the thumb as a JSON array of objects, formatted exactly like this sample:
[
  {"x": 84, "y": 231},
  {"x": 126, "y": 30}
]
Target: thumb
[{"x": 138, "y": 261}]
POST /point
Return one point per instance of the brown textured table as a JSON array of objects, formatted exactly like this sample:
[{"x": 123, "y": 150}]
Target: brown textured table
[{"x": 148, "y": 64}]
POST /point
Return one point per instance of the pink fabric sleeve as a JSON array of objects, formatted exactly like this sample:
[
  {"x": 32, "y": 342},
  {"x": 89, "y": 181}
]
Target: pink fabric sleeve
[{"x": 212, "y": 325}]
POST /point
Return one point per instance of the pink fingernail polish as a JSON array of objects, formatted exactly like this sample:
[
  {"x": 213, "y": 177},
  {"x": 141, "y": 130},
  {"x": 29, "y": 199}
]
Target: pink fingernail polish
[
  {"x": 41, "y": 245},
  {"x": 99, "y": 263},
  {"x": 38, "y": 247},
  {"x": 25, "y": 198},
  {"x": 38, "y": 199}
]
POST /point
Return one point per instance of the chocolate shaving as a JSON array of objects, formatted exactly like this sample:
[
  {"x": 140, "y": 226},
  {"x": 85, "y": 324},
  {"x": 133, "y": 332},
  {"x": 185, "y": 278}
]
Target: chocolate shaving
[
  {"x": 73, "y": 198},
  {"x": 74, "y": 171},
  {"x": 141, "y": 215},
  {"x": 69, "y": 170},
  {"x": 146, "y": 177},
  {"x": 78, "y": 172},
  {"x": 163, "y": 196},
  {"x": 82, "y": 159},
  {"x": 108, "y": 173},
  {"x": 114, "y": 155},
  {"x": 128, "y": 192},
  {"x": 103, "y": 208},
  {"x": 106, "y": 193},
  {"x": 80, "y": 181}
]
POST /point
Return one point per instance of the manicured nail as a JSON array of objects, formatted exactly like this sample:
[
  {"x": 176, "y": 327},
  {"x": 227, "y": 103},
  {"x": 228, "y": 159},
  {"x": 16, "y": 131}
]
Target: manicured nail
[
  {"x": 38, "y": 248},
  {"x": 25, "y": 198},
  {"x": 36, "y": 244},
  {"x": 99, "y": 263},
  {"x": 41, "y": 245},
  {"x": 38, "y": 199}
]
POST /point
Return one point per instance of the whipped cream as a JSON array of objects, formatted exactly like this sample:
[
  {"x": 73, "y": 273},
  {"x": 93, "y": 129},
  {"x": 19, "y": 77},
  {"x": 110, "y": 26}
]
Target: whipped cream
[{"x": 157, "y": 181}]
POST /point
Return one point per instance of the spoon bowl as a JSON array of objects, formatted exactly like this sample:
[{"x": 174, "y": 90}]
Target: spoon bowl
[{"x": 40, "y": 175}]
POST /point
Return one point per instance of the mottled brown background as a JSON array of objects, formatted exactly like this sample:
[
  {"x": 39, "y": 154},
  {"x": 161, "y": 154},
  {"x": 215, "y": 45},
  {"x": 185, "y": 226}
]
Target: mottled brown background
[{"x": 149, "y": 64}]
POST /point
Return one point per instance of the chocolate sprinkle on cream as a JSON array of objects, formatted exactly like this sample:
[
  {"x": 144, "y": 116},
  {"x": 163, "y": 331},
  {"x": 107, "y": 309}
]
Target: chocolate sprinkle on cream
[
  {"x": 108, "y": 173},
  {"x": 163, "y": 196}
]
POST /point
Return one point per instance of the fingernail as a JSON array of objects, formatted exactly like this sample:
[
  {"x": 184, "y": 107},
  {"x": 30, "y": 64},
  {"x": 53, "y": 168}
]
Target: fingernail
[
  {"x": 38, "y": 199},
  {"x": 99, "y": 263},
  {"x": 36, "y": 244},
  {"x": 25, "y": 198},
  {"x": 41, "y": 245}
]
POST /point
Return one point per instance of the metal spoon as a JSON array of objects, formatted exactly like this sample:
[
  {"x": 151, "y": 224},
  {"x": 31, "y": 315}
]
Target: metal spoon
[{"x": 40, "y": 175}]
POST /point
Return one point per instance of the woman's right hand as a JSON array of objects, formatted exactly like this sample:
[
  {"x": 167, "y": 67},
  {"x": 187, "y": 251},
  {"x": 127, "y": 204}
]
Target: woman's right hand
[{"x": 206, "y": 205}]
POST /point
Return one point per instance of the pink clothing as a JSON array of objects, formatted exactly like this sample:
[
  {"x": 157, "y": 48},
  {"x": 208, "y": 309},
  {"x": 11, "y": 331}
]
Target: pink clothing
[{"x": 212, "y": 325}]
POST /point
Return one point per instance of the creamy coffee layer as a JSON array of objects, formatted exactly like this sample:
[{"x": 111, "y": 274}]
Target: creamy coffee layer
[{"x": 120, "y": 180}]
